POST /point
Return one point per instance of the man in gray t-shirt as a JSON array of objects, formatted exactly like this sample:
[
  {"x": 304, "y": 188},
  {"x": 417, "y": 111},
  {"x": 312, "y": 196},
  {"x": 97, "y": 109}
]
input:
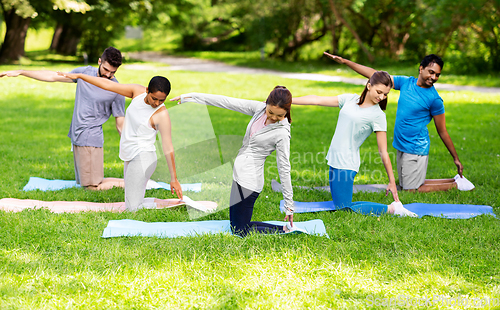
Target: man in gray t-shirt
[{"x": 93, "y": 107}]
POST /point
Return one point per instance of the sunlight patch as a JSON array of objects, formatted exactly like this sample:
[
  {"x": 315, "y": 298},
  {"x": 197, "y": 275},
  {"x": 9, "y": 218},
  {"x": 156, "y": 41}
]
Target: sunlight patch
[{"x": 17, "y": 255}]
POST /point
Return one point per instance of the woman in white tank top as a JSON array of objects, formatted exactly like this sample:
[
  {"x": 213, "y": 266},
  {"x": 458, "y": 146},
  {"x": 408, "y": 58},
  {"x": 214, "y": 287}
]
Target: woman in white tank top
[{"x": 145, "y": 116}]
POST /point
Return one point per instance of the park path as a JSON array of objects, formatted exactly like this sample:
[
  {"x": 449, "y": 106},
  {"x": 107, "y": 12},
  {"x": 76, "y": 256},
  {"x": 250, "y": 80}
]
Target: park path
[{"x": 201, "y": 65}]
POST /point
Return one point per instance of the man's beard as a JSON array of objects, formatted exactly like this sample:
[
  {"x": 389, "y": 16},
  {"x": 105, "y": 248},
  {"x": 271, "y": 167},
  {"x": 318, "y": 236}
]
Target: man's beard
[{"x": 100, "y": 75}]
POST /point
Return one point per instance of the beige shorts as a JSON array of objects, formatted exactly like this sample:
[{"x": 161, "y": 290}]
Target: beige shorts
[
  {"x": 411, "y": 169},
  {"x": 89, "y": 165}
]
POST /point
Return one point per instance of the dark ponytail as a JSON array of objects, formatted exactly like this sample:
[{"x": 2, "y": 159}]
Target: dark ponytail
[
  {"x": 281, "y": 97},
  {"x": 379, "y": 77}
]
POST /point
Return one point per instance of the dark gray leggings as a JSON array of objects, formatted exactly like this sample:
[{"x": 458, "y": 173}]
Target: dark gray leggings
[{"x": 240, "y": 213}]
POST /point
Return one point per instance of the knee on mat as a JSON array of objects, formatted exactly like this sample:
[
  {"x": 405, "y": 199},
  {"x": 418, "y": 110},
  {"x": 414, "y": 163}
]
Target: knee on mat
[
  {"x": 240, "y": 230},
  {"x": 133, "y": 206}
]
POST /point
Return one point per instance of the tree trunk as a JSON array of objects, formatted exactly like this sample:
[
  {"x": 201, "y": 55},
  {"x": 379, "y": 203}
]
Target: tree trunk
[
  {"x": 336, "y": 30},
  {"x": 56, "y": 37},
  {"x": 15, "y": 36},
  {"x": 68, "y": 41},
  {"x": 353, "y": 32}
]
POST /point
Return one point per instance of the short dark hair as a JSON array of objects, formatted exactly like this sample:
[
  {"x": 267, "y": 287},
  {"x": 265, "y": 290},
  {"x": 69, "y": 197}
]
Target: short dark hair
[
  {"x": 159, "y": 83},
  {"x": 432, "y": 58},
  {"x": 113, "y": 56}
]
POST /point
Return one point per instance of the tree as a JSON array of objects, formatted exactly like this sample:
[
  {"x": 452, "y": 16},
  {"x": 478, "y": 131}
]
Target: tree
[
  {"x": 339, "y": 16},
  {"x": 486, "y": 23},
  {"x": 18, "y": 15}
]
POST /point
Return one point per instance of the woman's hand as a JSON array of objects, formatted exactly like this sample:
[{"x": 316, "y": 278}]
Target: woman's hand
[
  {"x": 10, "y": 73},
  {"x": 178, "y": 98},
  {"x": 393, "y": 189},
  {"x": 175, "y": 186},
  {"x": 338, "y": 59},
  {"x": 72, "y": 76}
]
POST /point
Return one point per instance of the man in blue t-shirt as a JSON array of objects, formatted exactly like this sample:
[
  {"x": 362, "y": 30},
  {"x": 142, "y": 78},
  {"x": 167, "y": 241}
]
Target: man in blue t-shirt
[
  {"x": 93, "y": 107},
  {"x": 418, "y": 104}
]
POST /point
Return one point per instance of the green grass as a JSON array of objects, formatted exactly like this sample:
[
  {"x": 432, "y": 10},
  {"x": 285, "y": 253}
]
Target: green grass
[{"x": 59, "y": 261}]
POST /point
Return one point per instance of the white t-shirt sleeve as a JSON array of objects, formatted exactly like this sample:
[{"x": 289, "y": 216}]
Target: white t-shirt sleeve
[
  {"x": 347, "y": 98},
  {"x": 248, "y": 107},
  {"x": 380, "y": 122}
]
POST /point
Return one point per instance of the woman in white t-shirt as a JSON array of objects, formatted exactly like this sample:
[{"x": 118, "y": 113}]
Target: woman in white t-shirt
[
  {"x": 358, "y": 118},
  {"x": 145, "y": 116}
]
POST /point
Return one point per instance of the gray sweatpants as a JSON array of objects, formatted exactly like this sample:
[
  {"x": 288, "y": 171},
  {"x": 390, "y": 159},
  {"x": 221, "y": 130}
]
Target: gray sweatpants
[
  {"x": 411, "y": 169},
  {"x": 137, "y": 173}
]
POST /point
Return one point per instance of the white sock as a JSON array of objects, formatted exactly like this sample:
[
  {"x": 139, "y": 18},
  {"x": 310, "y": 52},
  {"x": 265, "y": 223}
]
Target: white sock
[
  {"x": 149, "y": 203},
  {"x": 463, "y": 184},
  {"x": 400, "y": 210}
]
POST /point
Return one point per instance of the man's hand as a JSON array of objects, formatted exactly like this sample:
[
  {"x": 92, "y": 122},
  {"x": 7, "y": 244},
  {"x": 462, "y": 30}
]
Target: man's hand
[
  {"x": 460, "y": 167},
  {"x": 72, "y": 76}
]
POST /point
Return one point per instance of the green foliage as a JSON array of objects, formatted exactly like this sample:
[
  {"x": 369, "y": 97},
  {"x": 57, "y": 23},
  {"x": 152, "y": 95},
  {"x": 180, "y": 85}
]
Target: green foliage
[
  {"x": 453, "y": 73},
  {"x": 465, "y": 31},
  {"x": 59, "y": 261},
  {"x": 95, "y": 29}
]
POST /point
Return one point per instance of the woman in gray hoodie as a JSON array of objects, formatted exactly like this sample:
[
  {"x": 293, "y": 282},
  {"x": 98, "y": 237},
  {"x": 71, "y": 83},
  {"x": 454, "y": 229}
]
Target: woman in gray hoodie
[{"x": 268, "y": 130}]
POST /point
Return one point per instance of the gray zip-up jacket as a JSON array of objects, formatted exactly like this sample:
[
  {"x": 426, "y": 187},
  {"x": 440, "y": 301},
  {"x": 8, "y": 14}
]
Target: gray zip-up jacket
[{"x": 248, "y": 168}]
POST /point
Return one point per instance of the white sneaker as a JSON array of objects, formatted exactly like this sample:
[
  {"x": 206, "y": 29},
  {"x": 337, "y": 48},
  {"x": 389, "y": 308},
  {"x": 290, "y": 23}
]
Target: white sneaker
[
  {"x": 402, "y": 211},
  {"x": 463, "y": 184},
  {"x": 295, "y": 229}
]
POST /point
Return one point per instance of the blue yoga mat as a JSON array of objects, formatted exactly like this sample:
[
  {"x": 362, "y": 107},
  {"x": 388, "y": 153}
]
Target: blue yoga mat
[
  {"x": 48, "y": 185},
  {"x": 130, "y": 228},
  {"x": 53, "y": 185},
  {"x": 450, "y": 211}
]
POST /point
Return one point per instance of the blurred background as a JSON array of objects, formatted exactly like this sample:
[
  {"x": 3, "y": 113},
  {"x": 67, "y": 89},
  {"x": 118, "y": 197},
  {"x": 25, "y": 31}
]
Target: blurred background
[{"x": 465, "y": 32}]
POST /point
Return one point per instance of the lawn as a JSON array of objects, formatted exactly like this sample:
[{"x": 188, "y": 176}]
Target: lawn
[{"x": 59, "y": 261}]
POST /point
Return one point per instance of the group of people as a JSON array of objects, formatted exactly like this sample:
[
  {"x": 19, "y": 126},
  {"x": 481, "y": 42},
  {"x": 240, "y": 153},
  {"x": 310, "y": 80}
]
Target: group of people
[{"x": 99, "y": 95}]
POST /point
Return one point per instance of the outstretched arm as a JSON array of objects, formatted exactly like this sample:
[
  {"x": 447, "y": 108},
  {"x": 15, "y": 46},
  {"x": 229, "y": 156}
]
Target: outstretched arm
[
  {"x": 41, "y": 75},
  {"x": 161, "y": 120},
  {"x": 284, "y": 170},
  {"x": 384, "y": 155},
  {"x": 248, "y": 107},
  {"x": 365, "y": 71},
  {"x": 326, "y": 101},
  {"x": 440, "y": 122},
  {"x": 127, "y": 90}
]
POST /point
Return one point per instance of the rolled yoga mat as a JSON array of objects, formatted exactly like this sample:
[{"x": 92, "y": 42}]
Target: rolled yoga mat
[
  {"x": 18, "y": 205},
  {"x": 53, "y": 185},
  {"x": 450, "y": 211},
  {"x": 129, "y": 228}
]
